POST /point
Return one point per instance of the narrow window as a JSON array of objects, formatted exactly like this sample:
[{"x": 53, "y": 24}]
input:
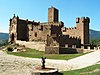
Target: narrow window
[{"x": 35, "y": 34}]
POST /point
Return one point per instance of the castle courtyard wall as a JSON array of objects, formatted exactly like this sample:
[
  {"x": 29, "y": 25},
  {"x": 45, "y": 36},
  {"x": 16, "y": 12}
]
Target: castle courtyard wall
[{"x": 34, "y": 45}]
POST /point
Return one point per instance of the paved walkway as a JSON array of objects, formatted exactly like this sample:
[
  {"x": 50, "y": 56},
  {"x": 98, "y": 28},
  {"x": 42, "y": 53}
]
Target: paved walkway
[
  {"x": 25, "y": 64},
  {"x": 86, "y": 60},
  {"x": 76, "y": 63}
]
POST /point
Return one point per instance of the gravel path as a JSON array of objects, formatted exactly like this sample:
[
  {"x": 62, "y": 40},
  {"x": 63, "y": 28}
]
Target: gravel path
[
  {"x": 9, "y": 65},
  {"x": 15, "y": 65},
  {"x": 86, "y": 60}
]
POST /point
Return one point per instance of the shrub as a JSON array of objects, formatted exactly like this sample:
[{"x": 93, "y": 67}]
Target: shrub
[
  {"x": 10, "y": 48},
  {"x": 17, "y": 44}
]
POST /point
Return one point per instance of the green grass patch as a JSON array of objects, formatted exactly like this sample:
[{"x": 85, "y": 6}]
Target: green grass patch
[
  {"x": 38, "y": 54},
  {"x": 95, "y": 41},
  {"x": 91, "y": 70},
  {"x": 28, "y": 53}
]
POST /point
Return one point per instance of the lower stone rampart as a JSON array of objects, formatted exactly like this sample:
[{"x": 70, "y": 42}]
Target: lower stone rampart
[
  {"x": 59, "y": 50},
  {"x": 34, "y": 45}
]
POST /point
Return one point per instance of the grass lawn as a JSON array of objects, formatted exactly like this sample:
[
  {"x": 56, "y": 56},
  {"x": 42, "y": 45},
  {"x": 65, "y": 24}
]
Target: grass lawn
[
  {"x": 38, "y": 54},
  {"x": 91, "y": 70}
]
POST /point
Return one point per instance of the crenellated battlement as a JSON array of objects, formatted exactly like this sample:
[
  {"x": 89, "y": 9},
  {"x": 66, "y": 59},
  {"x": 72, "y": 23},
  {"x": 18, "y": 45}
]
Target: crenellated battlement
[
  {"x": 80, "y": 31},
  {"x": 82, "y": 20},
  {"x": 75, "y": 37},
  {"x": 64, "y": 29},
  {"x": 71, "y": 28}
]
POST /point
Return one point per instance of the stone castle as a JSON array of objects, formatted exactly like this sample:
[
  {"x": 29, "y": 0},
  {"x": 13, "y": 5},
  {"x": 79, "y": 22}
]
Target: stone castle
[{"x": 52, "y": 32}]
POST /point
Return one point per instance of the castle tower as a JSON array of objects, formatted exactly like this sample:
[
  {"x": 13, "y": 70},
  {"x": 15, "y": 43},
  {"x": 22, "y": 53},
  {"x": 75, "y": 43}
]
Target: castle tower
[
  {"x": 83, "y": 29},
  {"x": 13, "y": 29},
  {"x": 18, "y": 29},
  {"x": 53, "y": 14}
]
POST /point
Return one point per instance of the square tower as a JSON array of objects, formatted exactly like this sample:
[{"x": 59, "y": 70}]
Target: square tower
[
  {"x": 53, "y": 14},
  {"x": 83, "y": 29}
]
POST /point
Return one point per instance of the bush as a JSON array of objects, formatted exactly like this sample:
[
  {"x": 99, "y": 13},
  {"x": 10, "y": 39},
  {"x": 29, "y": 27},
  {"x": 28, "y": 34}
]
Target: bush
[
  {"x": 10, "y": 48},
  {"x": 17, "y": 44}
]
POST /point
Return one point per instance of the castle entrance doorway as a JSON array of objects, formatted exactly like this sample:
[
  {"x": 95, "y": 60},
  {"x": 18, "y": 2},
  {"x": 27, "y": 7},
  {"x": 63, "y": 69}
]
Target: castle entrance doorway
[{"x": 12, "y": 37}]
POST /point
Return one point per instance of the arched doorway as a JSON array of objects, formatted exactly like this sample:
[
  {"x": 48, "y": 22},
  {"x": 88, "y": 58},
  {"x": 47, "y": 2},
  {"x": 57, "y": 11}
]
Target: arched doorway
[{"x": 12, "y": 37}]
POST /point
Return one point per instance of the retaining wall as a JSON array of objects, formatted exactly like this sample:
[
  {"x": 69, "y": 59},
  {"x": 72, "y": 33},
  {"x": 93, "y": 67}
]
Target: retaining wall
[{"x": 34, "y": 45}]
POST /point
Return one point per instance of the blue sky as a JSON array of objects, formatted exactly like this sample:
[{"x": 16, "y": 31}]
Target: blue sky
[{"x": 37, "y": 10}]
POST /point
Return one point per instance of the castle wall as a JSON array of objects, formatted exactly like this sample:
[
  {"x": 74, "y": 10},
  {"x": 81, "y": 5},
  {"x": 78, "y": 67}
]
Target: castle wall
[
  {"x": 62, "y": 41},
  {"x": 45, "y": 32},
  {"x": 22, "y": 30},
  {"x": 81, "y": 30},
  {"x": 56, "y": 30},
  {"x": 59, "y": 50},
  {"x": 33, "y": 45},
  {"x": 62, "y": 44},
  {"x": 72, "y": 32},
  {"x": 39, "y": 33},
  {"x": 86, "y": 33}
]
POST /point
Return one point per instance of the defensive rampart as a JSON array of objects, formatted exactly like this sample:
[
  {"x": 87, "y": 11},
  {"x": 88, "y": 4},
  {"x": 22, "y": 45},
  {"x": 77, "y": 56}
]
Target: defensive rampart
[{"x": 34, "y": 45}]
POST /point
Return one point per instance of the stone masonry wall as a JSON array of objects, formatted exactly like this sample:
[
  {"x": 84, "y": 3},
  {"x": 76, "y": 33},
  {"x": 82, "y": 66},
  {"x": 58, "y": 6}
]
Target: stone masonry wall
[
  {"x": 59, "y": 50},
  {"x": 70, "y": 31},
  {"x": 34, "y": 45},
  {"x": 81, "y": 30}
]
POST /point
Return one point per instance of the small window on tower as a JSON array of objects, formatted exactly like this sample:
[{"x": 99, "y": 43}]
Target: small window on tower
[{"x": 35, "y": 34}]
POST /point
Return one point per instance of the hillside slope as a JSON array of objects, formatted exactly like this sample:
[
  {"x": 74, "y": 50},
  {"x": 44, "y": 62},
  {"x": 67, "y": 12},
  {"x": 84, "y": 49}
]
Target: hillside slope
[
  {"x": 94, "y": 34},
  {"x": 3, "y": 38}
]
